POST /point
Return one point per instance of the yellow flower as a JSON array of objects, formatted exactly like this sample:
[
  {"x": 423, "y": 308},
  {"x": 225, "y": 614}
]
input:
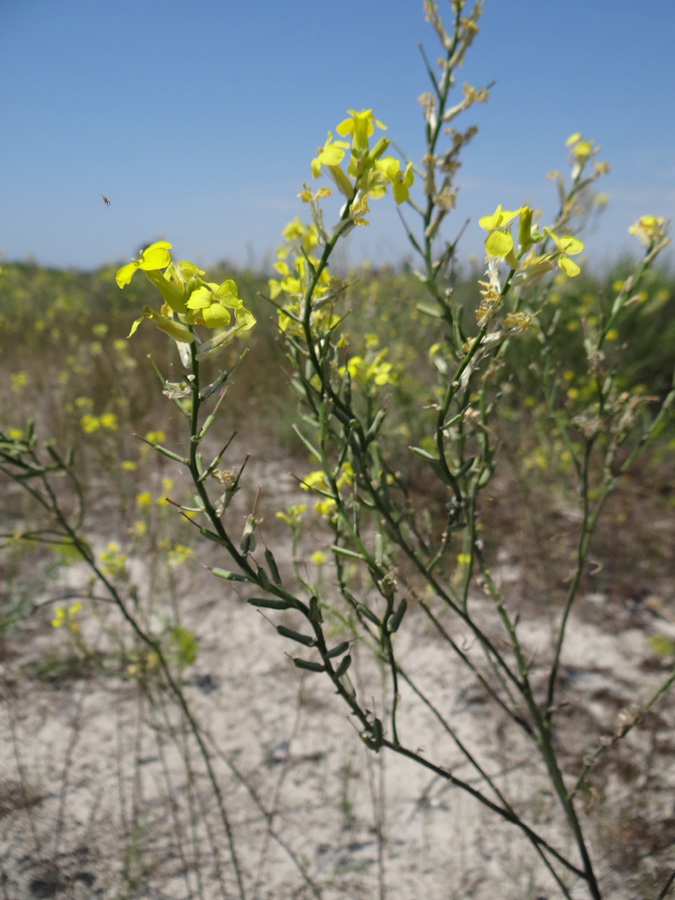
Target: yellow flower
[
  {"x": 499, "y": 243},
  {"x": 167, "y": 487},
  {"x": 331, "y": 154},
  {"x": 59, "y": 617},
  {"x": 377, "y": 371},
  {"x": 326, "y": 508},
  {"x": 314, "y": 478},
  {"x": 390, "y": 168},
  {"x": 18, "y": 380},
  {"x": 113, "y": 560},
  {"x": 138, "y": 529},
  {"x": 648, "y": 230},
  {"x": 65, "y": 617},
  {"x": 210, "y": 304},
  {"x": 292, "y": 514},
  {"x": 154, "y": 257},
  {"x": 566, "y": 246},
  {"x": 89, "y": 424},
  {"x": 360, "y": 125},
  {"x": 143, "y": 499},
  {"x": 178, "y": 555}
]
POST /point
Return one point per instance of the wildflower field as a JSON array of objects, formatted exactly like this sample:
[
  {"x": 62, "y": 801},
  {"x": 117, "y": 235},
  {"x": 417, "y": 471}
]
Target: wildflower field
[{"x": 345, "y": 583}]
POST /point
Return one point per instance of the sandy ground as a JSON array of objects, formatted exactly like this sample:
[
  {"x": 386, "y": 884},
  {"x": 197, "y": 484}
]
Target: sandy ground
[{"x": 103, "y": 793}]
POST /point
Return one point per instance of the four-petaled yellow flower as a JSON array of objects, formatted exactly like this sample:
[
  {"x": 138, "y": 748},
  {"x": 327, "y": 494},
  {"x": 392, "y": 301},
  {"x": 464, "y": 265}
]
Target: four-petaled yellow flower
[
  {"x": 567, "y": 246},
  {"x": 499, "y": 242},
  {"x": 209, "y": 304},
  {"x": 390, "y": 167},
  {"x": 360, "y": 125},
  {"x": 188, "y": 301},
  {"x": 154, "y": 257},
  {"x": 331, "y": 154}
]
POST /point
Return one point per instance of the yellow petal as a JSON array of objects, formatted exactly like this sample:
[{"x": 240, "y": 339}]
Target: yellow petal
[
  {"x": 156, "y": 256},
  {"x": 499, "y": 244},
  {"x": 216, "y": 316},
  {"x": 570, "y": 245},
  {"x": 568, "y": 267},
  {"x": 125, "y": 274}
]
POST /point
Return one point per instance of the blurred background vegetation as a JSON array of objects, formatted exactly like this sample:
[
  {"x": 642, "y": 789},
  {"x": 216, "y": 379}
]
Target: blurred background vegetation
[{"x": 67, "y": 364}]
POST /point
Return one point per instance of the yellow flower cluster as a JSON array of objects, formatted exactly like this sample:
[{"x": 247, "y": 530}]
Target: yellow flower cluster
[
  {"x": 108, "y": 421},
  {"x": 188, "y": 300}
]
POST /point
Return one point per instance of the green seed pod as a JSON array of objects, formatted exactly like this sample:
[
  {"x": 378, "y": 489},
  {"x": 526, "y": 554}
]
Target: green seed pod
[
  {"x": 210, "y": 535},
  {"x": 367, "y": 614},
  {"x": 270, "y": 603},
  {"x": 379, "y": 548},
  {"x": 339, "y": 650},
  {"x": 344, "y": 665},
  {"x": 346, "y": 681},
  {"x": 315, "y": 616},
  {"x": 375, "y": 425},
  {"x": 272, "y": 565},
  {"x": 228, "y": 576},
  {"x": 263, "y": 579},
  {"x": 296, "y": 636},
  {"x": 395, "y": 620},
  {"x": 310, "y": 666}
]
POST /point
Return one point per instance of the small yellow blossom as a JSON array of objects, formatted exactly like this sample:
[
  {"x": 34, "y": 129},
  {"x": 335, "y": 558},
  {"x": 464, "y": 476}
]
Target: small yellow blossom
[
  {"x": 155, "y": 437},
  {"x": 292, "y": 514},
  {"x": 63, "y": 616},
  {"x": 314, "y": 478},
  {"x": 89, "y": 424},
  {"x": 113, "y": 560},
  {"x": 138, "y": 529},
  {"x": 109, "y": 421},
  {"x": 326, "y": 507},
  {"x": 18, "y": 380},
  {"x": 648, "y": 230},
  {"x": 178, "y": 554}
]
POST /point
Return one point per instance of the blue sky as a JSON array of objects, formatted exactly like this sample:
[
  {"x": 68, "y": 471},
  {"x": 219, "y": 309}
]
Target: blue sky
[{"x": 199, "y": 118}]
